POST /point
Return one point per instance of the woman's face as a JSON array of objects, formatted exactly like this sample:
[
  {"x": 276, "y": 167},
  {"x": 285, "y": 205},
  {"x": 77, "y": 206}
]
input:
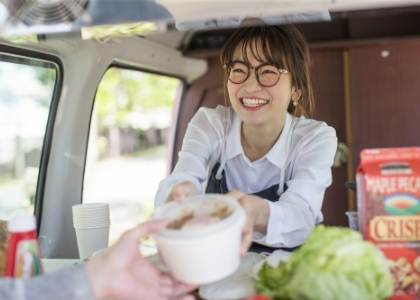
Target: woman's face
[{"x": 258, "y": 105}]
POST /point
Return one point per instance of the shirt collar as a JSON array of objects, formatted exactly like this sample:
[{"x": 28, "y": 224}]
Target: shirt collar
[
  {"x": 277, "y": 154},
  {"x": 233, "y": 140}
]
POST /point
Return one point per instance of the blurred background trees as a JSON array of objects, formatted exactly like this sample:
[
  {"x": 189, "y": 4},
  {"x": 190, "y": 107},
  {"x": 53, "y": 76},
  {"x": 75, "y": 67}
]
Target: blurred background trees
[{"x": 134, "y": 110}]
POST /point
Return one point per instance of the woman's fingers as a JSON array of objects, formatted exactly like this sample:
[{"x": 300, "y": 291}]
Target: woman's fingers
[
  {"x": 248, "y": 228},
  {"x": 179, "y": 192},
  {"x": 182, "y": 191},
  {"x": 238, "y": 195},
  {"x": 247, "y": 232}
]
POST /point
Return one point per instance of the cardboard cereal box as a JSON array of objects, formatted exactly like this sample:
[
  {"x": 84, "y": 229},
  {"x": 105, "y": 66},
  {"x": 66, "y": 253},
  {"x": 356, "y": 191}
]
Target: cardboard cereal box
[{"x": 388, "y": 199}]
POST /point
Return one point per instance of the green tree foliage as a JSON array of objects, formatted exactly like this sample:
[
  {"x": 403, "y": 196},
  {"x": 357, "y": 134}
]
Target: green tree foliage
[
  {"x": 116, "y": 32},
  {"x": 123, "y": 91},
  {"x": 46, "y": 76}
]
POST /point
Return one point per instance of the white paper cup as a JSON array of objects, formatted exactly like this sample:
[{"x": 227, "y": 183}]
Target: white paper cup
[
  {"x": 93, "y": 221},
  {"x": 88, "y": 220},
  {"x": 87, "y": 206},
  {"x": 91, "y": 240},
  {"x": 91, "y": 215},
  {"x": 85, "y": 211},
  {"x": 91, "y": 209},
  {"x": 201, "y": 255},
  {"x": 89, "y": 226}
]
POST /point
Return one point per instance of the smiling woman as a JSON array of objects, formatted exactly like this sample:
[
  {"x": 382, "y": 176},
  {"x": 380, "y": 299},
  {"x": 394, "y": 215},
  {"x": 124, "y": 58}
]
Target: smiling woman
[
  {"x": 260, "y": 147},
  {"x": 254, "y": 45}
]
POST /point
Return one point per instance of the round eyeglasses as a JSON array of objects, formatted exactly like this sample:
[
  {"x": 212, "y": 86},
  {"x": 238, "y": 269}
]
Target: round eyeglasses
[{"x": 267, "y": 75}]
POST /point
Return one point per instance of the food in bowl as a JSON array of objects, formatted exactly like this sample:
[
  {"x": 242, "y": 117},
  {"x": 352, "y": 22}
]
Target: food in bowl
[
  {"x": 202, "y": 244},
  {"x": 200, "y": 221},
  {"x": 190, "y": 219}
]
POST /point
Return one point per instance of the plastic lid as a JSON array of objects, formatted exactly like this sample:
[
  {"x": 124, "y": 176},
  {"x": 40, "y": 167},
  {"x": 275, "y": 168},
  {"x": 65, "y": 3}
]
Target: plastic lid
[{"x": 21, "y": 222}]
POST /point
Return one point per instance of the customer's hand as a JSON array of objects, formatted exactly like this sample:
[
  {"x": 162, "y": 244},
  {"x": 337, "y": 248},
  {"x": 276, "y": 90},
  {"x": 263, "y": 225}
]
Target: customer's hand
[
  {"x": 182, "y": 191},
  {"x": 122, "y": 273},
  {"x": 257, "y": 212}
]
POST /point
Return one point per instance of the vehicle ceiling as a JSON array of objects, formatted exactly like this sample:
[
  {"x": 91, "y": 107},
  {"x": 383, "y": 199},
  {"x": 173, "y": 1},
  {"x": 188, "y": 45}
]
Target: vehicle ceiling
[{"x": 196, "y": 27}]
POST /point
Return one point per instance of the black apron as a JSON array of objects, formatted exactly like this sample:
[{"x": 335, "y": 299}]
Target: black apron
[{"x": 218, "y": 186}]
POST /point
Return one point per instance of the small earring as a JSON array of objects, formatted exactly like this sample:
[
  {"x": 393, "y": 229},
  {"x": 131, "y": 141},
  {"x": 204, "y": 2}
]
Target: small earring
[{"x": 295, "y": 103}]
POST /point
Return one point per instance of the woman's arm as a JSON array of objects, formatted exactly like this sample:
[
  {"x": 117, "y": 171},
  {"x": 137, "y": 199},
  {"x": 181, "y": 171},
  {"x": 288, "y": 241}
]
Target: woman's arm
[
  {"x": 257, "y": 211},
  {"x": 288, "y": 222},
  {"x": 202, "y": 138},
  {"x": 294, "y": 215}
]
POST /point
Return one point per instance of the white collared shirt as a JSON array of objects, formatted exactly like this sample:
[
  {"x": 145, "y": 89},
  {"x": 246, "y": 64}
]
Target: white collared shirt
[{"x": 302, "y": 158}]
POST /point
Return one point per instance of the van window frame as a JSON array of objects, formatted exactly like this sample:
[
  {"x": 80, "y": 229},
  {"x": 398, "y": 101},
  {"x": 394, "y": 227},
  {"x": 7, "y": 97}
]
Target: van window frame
[
  {"x": 124, "y": 66},
  {"x": 49, "y": 129}
]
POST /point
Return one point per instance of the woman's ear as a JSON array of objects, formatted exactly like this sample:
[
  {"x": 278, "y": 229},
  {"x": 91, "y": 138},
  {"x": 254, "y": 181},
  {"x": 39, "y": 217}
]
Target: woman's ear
[{"x": 296, "y": 94}]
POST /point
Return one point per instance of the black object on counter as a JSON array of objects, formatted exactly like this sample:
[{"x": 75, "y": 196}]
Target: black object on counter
[{"x": 351, "y": 186}]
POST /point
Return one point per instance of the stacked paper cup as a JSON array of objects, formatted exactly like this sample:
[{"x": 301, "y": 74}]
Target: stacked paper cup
[{"x": 91, "y": 222}]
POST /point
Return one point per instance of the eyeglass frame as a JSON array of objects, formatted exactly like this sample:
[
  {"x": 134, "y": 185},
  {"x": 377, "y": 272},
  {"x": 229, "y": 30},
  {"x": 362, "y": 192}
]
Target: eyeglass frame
[{"x": 282, "y": 71}]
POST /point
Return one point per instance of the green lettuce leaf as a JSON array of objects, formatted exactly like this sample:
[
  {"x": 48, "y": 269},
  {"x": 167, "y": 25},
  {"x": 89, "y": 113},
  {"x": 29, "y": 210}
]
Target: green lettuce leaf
[{"x": 334, "y": 263}]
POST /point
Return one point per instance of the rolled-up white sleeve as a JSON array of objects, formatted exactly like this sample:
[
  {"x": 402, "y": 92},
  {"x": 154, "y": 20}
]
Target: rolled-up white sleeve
[
  {"x": 293, "y": 217},
  {"x": 201, "y": 139}
]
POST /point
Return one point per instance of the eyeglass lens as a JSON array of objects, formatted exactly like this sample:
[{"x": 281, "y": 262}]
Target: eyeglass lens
[{"x": 268, "y": 75}]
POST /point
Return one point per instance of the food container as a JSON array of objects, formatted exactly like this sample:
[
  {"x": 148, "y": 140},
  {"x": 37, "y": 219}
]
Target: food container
[
  {"x": 206, "y": 254},
  {"x": 388, "y": 200}
]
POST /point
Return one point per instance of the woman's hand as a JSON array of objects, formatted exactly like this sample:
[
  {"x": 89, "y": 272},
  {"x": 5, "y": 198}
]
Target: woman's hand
[
  {"x": 257, "y": 212},
  {"x": 122, "y": 273},
  {"x": 182, "y": 191}
]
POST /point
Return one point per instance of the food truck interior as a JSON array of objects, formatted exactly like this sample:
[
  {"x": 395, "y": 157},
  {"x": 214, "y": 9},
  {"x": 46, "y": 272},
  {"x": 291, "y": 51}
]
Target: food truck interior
[{"x": 365, "y": 70}]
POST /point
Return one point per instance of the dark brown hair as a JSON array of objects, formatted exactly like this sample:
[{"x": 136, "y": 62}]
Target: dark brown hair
[{"x": 285, "y": 47}]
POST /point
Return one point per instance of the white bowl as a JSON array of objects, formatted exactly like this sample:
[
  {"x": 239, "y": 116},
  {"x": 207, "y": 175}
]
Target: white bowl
[{"x": 201, "y": 255}]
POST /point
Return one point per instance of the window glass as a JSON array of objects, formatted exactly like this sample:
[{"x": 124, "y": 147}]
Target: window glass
[
  {"x": 26, "y": 91},
  {"x": 126, "y": 153}
]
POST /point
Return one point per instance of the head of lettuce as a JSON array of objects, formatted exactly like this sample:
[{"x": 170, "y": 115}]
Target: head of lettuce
[{"x": 334, "y": 263}]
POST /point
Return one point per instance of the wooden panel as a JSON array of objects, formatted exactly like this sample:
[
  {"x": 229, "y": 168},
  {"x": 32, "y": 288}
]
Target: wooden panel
[
  {"x": 328, "y": 83},
  {"x": 325, "y": 31},
  {"x": 391, "y": 22},
  {"x": 385, "y": 94}
]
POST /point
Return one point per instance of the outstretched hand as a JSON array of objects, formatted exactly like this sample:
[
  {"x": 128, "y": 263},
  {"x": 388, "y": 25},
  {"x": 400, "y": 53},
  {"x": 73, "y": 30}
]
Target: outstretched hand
[
  {"x": 182, "y": 191},
  {"x": 257, "y": 212},
  {"x": 122, "y": 273}
]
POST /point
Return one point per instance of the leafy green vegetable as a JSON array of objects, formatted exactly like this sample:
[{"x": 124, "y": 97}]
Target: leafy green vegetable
[{"x": 334, "y": 263}]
